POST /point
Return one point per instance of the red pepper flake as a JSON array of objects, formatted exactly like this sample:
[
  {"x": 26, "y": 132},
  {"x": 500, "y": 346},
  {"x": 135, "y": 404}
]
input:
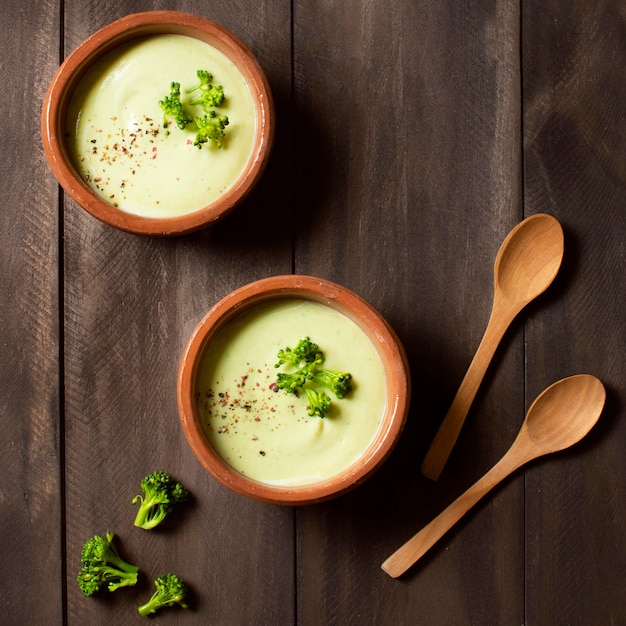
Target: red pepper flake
[{"x": 274, "y": 387}]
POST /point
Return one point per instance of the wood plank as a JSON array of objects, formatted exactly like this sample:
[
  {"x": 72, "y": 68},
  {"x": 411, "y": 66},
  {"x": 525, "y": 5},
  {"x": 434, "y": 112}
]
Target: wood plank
[
  {"x": 574, "y": 137},
  {"x": 30, "y": 451},
  {"x": 402, "y": 160},
  {"x": 131, "y": 304},
  {"x": 409, "y": 137}
]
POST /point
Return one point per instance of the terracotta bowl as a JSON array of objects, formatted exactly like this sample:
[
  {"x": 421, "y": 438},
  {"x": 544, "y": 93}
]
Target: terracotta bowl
[
  {"x": 385, "y": 342},
  {"x": 78, "y": 63}
]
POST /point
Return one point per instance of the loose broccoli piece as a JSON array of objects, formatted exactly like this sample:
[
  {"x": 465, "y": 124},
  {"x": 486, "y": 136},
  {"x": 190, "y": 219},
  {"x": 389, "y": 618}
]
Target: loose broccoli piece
[
  {"x": 339, "y": 383},
  {"x": 305, "y": 350},
  {"x": 210, "y": 95},
  {"x": 173, "y": 107},
  {"x": 161, "y": 493},
  {"x": 101, "y": 565},
  {"x": 210, "y": 127},
  {"x": 319, "y": 402},
  {"x": 170, "y": 590}
]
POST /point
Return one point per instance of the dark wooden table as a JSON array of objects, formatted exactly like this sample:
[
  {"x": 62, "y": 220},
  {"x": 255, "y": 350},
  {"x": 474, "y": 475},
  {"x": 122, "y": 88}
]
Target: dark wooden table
[{"x": 412, "y": 137}]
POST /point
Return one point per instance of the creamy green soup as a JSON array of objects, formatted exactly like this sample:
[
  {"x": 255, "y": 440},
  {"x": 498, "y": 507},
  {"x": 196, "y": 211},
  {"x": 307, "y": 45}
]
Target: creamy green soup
[
  {"x": 265, "y": 433},
  {"x": 116, "y": 136}
]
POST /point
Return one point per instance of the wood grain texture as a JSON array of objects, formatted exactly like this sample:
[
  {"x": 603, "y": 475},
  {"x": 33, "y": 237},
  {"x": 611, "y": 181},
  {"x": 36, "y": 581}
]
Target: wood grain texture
[
  {"x": 411, "y": 137},
  {"x": 30, "y": 453},
  {"x": 131, "y": 304},
  {"x": 408, "y": 120},
  {"x": 575, "y": 141}
]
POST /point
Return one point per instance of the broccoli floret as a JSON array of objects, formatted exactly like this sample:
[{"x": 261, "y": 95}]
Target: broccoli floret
[
  {"x": 170, "y": 590},
  {"x": 319, "y": 402},
  {"x": 339, "y": 383},
  {"x": 173, "y": 107},
  {"x": 210, "y": 95},
  {"x": 210, "y": 127},
  {"x": 306, "y": 357},
  {"x": 305, "y": 351},
  {"x": 101, "y": 565},
  {"x": 204, "y": 77},
  {"x": 292, "y": 381},
  {"x": 161, "y": 493}
]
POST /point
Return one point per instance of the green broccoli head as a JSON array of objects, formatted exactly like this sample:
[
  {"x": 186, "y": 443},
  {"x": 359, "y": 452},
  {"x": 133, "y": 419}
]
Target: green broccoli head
[
  {"x": 160, "y": 494},
  {"x": 170, "y": 590},
  {"x": 306, "y": 357},
  {"x": 339, "y": 383},
  {"x": 210, "y": 95},
  {"x": 102, "y": 565},
  {"x": 305, "y": 351},
  {"x": 318, "y": 402},
  {"x": 210, "y": 128},
  {"x": 173, "y": 107},
  {"x": 291, "y": 382}
]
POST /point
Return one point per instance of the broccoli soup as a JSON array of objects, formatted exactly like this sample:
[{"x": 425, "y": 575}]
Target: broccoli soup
[
  {"x": 266, "y": 433},
  {"x": 137, "y": 159}
]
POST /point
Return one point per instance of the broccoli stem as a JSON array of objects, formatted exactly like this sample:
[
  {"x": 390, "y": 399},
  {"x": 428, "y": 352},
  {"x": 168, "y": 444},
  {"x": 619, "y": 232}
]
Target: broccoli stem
[
  {"x": 147, "y": 516},
  {"x": 116, "y": 578},
  {"x": 114, "y": 559},
  {"x": 150, "y": 606}
]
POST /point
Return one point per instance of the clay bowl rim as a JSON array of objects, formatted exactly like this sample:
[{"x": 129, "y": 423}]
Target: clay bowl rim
[
  {"x": 350, "y": 304},
  {"x": 123, "y": 30}
]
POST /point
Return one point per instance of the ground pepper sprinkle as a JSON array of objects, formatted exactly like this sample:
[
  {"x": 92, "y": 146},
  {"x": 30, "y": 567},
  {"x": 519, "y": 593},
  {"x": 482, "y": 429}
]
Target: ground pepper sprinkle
[
  {"x": 134, "y": 147},
  {"x": 236, "y": 407}
]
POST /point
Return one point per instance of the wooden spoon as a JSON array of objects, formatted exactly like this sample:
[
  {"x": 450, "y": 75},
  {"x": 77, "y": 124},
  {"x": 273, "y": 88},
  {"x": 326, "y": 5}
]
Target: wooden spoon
[
  {"x": 560, "y": 416},
  {"x": 527, "y": 262}
]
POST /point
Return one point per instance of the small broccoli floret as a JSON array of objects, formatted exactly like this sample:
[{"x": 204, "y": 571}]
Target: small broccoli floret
[
  {"x": 305, "y": 351},
  {"x": 204, "y": 80},
  {"x": 339, "y": 383},
  {"x": 102, "y": 565},
  {"x": 306, "y": 357},
  {"x": 292, "y": 381},
  {"x": 210, "y": 95},
  {"x": 319, "y": 402},
  {"x": 161, "y": 493},
  {"x": 210, "y": 128},
  {"x": 170, "y": 590},
  {"x": 173, "y": 107}
]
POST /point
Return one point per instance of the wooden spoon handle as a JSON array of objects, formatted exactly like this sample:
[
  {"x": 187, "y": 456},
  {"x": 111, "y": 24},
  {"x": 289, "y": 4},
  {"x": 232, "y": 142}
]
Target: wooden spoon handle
[
  {"x": 410, "y": 552},
  {"x": 441, "y": 447}
]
